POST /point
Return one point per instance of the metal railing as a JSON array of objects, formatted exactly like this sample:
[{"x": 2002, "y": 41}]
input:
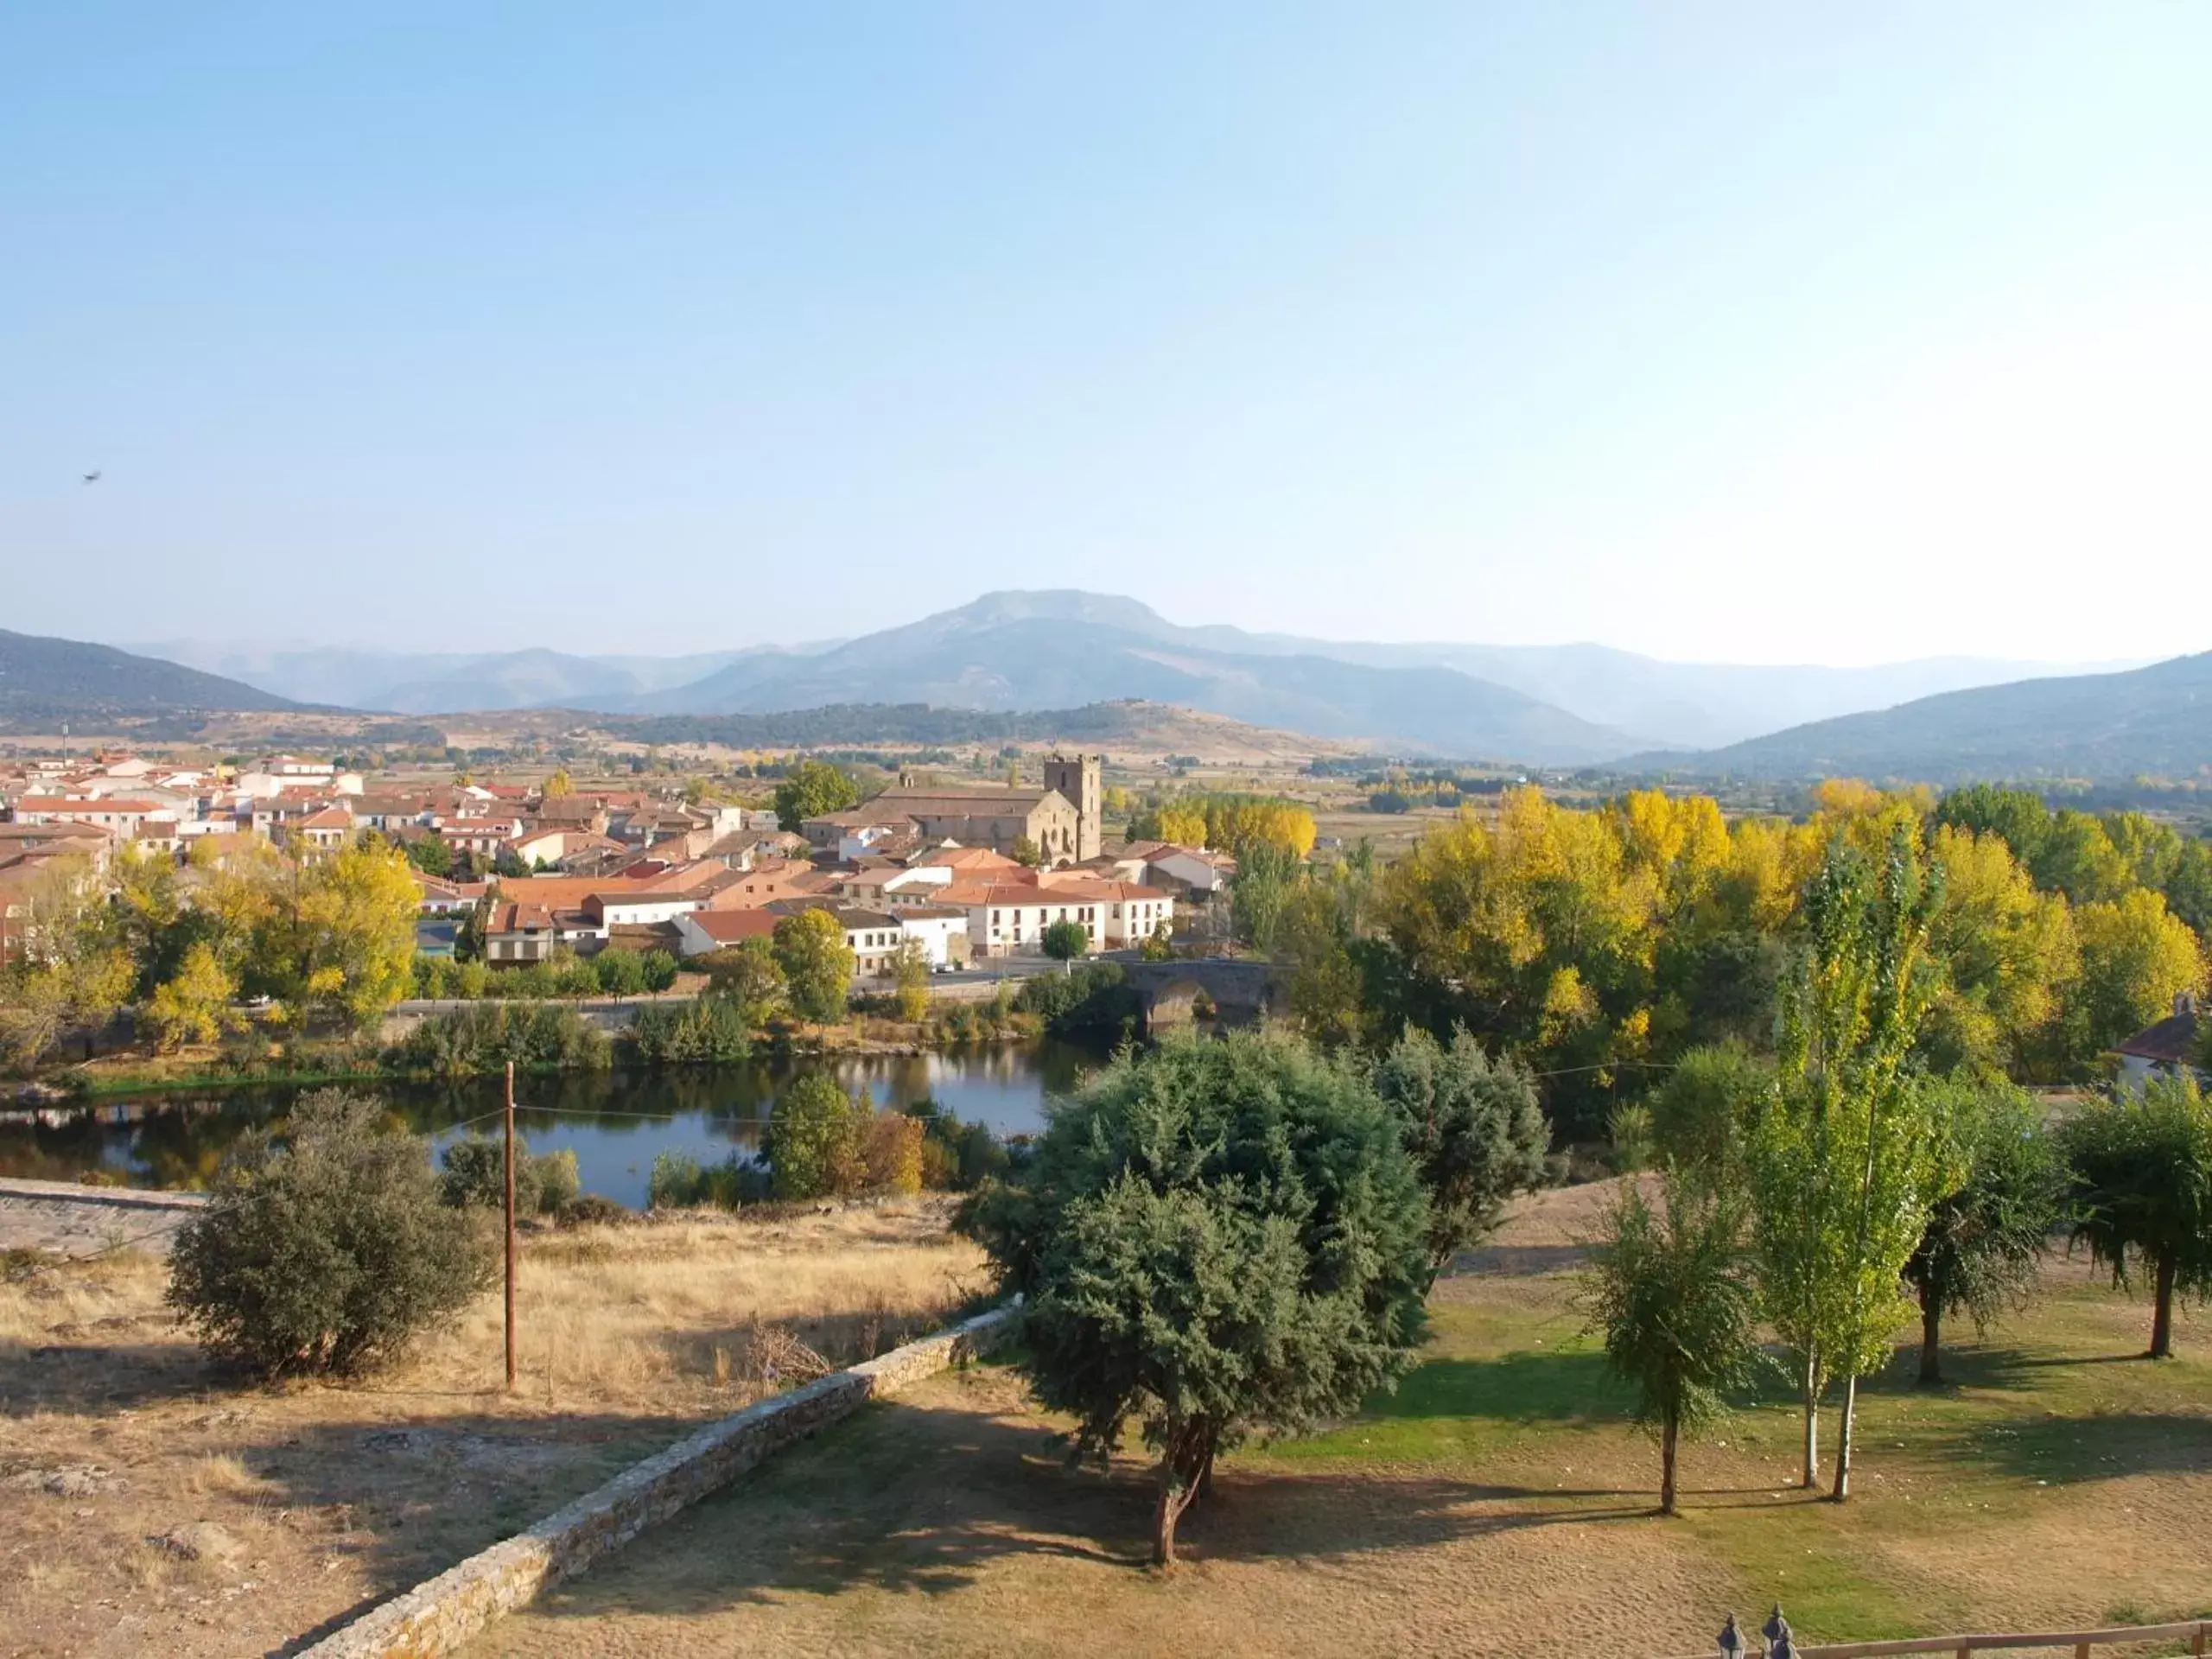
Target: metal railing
[{"x": 1779, "y": 1642}]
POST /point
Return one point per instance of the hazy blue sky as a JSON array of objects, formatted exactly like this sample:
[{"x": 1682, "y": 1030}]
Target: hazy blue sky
[{"x": 1834, "y": 333}]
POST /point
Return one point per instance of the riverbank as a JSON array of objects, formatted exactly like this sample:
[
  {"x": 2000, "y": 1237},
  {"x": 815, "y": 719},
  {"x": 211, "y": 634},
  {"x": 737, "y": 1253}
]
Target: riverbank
[
  {"x": 618, "y": 1120},
  {"x": 120, "y": 1075}
]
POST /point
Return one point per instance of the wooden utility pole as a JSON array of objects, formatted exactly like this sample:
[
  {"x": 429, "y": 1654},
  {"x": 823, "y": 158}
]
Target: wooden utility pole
[{"x": 511, "y": 1226}]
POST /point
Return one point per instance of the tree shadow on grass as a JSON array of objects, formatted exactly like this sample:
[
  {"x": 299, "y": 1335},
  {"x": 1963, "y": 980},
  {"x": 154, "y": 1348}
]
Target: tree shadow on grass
[
  {"x": 914, "y": 1498},
  {"x": 2095, "y": 1447}
]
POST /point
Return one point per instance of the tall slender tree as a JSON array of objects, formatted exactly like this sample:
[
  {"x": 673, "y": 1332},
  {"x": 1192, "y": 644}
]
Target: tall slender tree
[{"x": 1848, "y": 1157}]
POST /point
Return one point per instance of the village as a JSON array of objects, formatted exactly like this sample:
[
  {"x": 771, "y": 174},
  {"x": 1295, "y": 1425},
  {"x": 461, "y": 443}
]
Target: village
[{"x": 961, "y": 877}]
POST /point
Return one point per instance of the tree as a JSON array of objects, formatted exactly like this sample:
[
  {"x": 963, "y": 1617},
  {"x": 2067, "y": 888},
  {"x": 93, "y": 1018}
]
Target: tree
[
  {"x": 817, "y": 1140},
  {"x": 1472, "y": 1127},
  {"x": 2136, "y": 957},
  {"x": 750, "y": 975},
  {"x": 620, "y": 973},
  {"x": 428, "y": 853},
  {"x": 1979, "y": 1254},
  {"x": 1064, "y": 941},
  {"x": 2142, "y": 1192},
  {"x": 1848, "y": 1156},
  {"x": 194, "y": 1005},
  {"x": 813, "y": 788},
  {"x": 1217, "y": 1239},
  {"x": 910, "y": 970},
  {"x": 660, "y": 969},
  {"x": 2077, "y": 858},
  {"x": 1702, "y": 1112},
  {"x": 74, "y": 973},
  {"x": 559, "y": 785},
  {"x": 468, "y": 943},
  {"x": 1266, "y": 876},
  {"x": 817, "y": 963},
  {"x": 326, "y": 1251},
  {"x": 2008, "y": 952},
  {"x": 2017, "y": 816},
  {"x": 1670, "y": 1294},
  {"x": 506, "y": 863},
  {"x": 1026, "y": 853},
  {"x": 1159, "y": 945}
]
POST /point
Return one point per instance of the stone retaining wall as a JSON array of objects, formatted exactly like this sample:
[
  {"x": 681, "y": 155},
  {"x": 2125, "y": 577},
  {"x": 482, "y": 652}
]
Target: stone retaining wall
[
  {"x": 61, "y": 1218},
  {"x": 438, "y": 1616}
]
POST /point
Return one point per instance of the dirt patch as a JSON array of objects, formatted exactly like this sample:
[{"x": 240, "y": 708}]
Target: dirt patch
[{"x": 149, "y": 1504}]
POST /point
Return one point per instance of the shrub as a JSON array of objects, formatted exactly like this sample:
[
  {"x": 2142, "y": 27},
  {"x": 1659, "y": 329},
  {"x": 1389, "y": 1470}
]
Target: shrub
[
  {"x": 892, "y": 1154},
  {"x": 475, "y": 1172},
  {"x": 1701, "y": 1113},
  {"x": 955, "y": 1155},
  {"x": 678, "y": 1182},
  {"x": 710, "y": 1029},
  {"x": 621, "y": 973},
  {"x": 560, "y": 1183},
  {"x": 593, "y": 1209},
  {"x": 327, "y": 1251},
  {"x": 816, "y": 1140},
  {"x": 1095, "y": 997},
  {"x": 463, "y": 1042}
]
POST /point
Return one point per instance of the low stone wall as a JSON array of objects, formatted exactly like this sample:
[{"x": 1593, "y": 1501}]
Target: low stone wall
[
  {"x": 438, "y": 1616},
  {"x": 61, "y": 1218}
]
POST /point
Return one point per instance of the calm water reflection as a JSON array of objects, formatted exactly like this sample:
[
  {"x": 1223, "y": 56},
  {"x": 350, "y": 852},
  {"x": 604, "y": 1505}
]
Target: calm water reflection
[{"x": 617, "y": 1123}]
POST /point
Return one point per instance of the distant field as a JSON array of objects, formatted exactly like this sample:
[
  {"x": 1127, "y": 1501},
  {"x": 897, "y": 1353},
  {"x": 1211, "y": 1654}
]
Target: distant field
[{"x": 1499, "y": 1499}]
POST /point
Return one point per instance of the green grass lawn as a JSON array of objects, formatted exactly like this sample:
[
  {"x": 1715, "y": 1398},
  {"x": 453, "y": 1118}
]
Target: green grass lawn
[
  {"x": 2030, "y": 1424},
  {"x": 1499, "y": 1497}
]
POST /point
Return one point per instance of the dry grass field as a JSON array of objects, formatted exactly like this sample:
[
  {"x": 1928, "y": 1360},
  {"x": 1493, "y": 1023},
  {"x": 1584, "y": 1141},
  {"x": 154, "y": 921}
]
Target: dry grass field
[
  {"x": 307, "y": 1501},
  {"x": 1498, "y": 1500}
]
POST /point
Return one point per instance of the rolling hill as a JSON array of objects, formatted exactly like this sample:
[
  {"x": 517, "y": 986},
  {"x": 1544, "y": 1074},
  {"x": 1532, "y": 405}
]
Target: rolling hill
[
  {"x": 45, "y": 679},
  {"x": 2154, "y": 722}
]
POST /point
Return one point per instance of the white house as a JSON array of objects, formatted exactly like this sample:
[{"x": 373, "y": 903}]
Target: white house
[
  {"x": 941, "y": 931},
  {"x": 640, "y": 909}
]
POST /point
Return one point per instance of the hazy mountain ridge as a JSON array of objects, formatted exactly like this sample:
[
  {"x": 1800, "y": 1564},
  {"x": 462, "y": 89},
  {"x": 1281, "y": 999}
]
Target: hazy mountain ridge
[
  {"x": 1032, "y": 652},
  {"x": 443, "y": 682},
  {"x": 2154, "y": 722},
  {"x": 44, "y": 678}
]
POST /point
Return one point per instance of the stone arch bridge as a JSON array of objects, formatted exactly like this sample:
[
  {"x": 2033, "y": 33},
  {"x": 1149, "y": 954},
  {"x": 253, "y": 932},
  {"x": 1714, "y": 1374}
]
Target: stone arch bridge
[{"x": 1240, "y": 990}]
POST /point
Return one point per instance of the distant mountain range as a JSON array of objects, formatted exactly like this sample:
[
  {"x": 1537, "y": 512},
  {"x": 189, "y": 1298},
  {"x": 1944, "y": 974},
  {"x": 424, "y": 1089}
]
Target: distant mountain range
[
  {"x": 2154, "y": 722},
  {"x": 45, "y": 680},
  {"x": 424, "y": 683},
  {"x": 1035, "y": 650}
]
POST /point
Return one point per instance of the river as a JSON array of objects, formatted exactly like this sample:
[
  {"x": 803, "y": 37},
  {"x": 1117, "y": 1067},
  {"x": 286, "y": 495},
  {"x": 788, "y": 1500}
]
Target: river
[{"x": 617, "y": 1123}]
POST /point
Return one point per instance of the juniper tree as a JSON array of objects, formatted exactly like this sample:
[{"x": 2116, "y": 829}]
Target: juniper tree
[{"x": 1217, "y": 1239}]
